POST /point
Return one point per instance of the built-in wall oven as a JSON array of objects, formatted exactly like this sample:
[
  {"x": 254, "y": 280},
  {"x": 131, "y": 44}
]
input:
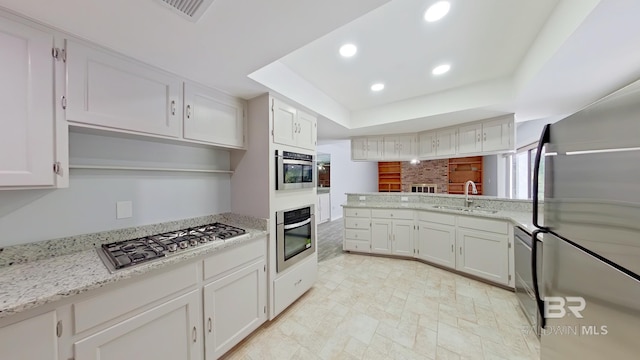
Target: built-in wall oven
[
  {"x": 295, "y": 236},
  {"x": 294, "y": 170},
  {"x": 524, "y": 278}
]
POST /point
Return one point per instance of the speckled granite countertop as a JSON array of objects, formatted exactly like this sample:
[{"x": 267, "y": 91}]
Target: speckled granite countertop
[
  {"x": 519, "y": 212},
  {"x": 27, "y": 285}
]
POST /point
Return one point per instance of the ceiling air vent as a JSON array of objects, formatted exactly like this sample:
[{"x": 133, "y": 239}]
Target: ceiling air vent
[{"x": 189, "y": 9}]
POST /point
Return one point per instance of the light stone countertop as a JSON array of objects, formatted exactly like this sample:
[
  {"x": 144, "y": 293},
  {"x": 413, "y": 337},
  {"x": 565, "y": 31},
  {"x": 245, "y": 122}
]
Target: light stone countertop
[
  {"x": 518, "y": 218},
  {"x": 31, "y": 284}
]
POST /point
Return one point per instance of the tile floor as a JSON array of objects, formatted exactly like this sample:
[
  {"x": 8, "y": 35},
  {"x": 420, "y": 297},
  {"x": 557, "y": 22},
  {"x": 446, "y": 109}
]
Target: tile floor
[{"x": 366, "y": 307}]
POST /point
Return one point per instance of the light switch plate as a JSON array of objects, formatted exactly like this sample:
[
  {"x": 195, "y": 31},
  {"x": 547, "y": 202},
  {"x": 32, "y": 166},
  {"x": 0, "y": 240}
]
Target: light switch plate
[{"x": 124, "y": 209}]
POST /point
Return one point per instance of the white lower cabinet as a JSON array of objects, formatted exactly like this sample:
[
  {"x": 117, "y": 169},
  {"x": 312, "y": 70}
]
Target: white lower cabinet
[
  {"x": 392, "y": 237},
  {"x": 169, "y": 331},
  {"x": 437, "y": 239},
  {"x": 234, "y": 306},
  {"x": 474, "y": 245},
  {"x": 33, "y": 338},
  {"x": 295, "y": 282},
  {"x": 483, "y": 250}
]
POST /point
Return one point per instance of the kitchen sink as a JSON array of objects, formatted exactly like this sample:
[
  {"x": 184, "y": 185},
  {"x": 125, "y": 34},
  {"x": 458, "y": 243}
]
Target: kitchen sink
[{"x": 471, "y": 210}]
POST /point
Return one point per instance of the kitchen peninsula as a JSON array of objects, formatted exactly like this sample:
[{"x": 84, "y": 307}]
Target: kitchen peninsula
[{"x": 475, "y": 240}]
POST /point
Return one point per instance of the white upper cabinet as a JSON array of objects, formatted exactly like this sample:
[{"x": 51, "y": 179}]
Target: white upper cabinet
[
  {"x": 446, "y": 142},
  {"x": 27, "y": 123},
  {"x": 489, "y": 136},
  {"x": 213, "y": 117},
  {"x": 293, "y": 127},
  {"x": 498, "y": 134},
  {"x": 470, "y": 139},
  {"x": 427, "y": 144},
  {"x": 111, "y": 91},
  {"x": 367, "y": 148},
  {"x": 399, "y": 147},
  {"x": 307, "y": 126}
]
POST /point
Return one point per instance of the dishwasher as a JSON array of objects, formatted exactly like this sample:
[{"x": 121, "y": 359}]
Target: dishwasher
[{"x": 524, "y": 278}]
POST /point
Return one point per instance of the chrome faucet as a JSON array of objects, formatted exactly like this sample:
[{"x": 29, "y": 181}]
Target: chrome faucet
[{"x": 468, "y": 202}]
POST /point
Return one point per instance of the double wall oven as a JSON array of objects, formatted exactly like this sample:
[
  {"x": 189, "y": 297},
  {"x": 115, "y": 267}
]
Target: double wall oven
[{"x": 295, "y": 236}]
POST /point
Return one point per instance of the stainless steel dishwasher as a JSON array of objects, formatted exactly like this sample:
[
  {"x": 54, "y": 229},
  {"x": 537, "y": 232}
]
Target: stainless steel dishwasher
[{"x": 524, "y": 278}]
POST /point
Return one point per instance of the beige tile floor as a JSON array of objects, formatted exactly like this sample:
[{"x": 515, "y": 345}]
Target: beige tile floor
[{"x": 366, "y": 307}]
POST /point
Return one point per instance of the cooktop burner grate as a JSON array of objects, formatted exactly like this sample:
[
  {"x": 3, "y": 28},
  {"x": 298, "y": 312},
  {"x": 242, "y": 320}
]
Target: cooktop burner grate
[{"x": 127, "y": 253}]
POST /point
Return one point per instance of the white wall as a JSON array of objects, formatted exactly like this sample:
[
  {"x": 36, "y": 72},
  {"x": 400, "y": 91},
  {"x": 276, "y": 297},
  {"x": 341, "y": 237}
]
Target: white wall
[
  {"x": 89, "y": 204},
  {"x": 347, "y": 176},
  {"x": 490, "y": 175}
]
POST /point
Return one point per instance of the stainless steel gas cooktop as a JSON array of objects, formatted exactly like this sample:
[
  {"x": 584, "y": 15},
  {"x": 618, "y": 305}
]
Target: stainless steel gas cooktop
[{"x": 127, "y": 253}]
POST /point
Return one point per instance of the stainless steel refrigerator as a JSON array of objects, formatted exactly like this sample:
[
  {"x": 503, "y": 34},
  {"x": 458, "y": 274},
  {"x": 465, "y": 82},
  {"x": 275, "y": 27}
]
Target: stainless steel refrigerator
[{"x": 588, "y": 280}]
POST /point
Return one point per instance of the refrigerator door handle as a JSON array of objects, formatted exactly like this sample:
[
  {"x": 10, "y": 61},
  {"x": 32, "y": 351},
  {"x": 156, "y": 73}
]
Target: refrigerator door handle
[
  {"x": 544, "y": 139},
  {"x": 534, "y": 273}
]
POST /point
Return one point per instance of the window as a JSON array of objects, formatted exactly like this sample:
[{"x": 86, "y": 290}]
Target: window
[{"x": 520, "y": 176}]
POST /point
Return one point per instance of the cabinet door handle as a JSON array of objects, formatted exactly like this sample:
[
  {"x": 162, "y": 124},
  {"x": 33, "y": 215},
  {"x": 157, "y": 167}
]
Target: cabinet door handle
[
  {"x": 188, "y": 111},
  {"x": 452, "y": 248},
  {"x": 194, "y": 334},
  {"x": 173, "y": 107},
  {"x": 460, "y": 250},
  {"x": 210, "y": 325},
  {"x": 478, "y": 137},
  {"x": 485, "y": 136}
]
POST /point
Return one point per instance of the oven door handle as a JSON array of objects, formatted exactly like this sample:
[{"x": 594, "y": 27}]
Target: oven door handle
[{"x": 296, "y": 225}]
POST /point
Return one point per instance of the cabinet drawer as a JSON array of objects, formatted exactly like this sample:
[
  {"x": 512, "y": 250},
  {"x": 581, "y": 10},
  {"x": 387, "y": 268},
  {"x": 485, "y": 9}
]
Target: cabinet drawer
[
  {"x": 365, "y": 213},
  {"x": 104, "y": 307},
  {"x": 296, "y": 282},
  {"x": 392, "y": 214},
  {"x": 435, "y": 217},
  {"x": 356, "y": 223},
  {"x": 362, "y": 235},
  {"x": 359, "y": 246},
  {"x": 496, "y": 226},
  {"x": 231, "y": 258}
]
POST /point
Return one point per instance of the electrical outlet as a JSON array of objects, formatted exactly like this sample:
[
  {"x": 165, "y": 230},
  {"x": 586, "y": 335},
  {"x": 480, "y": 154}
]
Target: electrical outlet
[
  {"x": 363, "y": 198},
  {"x": 404, "y": 198},
  {"x": 124, "y": 209}
]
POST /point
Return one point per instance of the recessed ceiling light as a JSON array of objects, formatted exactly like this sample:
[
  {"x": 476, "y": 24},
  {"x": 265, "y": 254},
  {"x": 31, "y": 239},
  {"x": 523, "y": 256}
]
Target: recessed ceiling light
[
  {"x": 441, "y": 69},
  {"x": 377, "y": 87},
  {"x": 437, "y": 11},
  {"x": 348, "y": 50}
]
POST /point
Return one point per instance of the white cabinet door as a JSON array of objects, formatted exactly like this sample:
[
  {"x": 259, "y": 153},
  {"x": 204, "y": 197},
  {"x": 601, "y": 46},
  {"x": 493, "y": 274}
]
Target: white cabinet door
[
  {"x": 402, "y": 236},
  {"x": 446, "y": 142},
  {"x": 436, "y": 243},
  {"x": 498, "y": 135},
  {"x": 169, "y": 331},
  {"x": 407, "y": 148},
  {"x": 234, "y": 306},
  {"x": 26, "y": 93},
  {"x": 293, "y": 127},
  {"x": 110, "y": 91},
  {"x": 284, "y": 123},
  {"x": 375, "y": 148},
  {"x": 34, "y": 338},
  {"x": 390, "y": 148},
  {"x": 470, "y": 139},
  {"x": 483, "y": 254},
  {"x": 381, "y": 236},
  {"x": 213, "y": 117},
  {"x": 359, "y": 149},
  {"x": 307, "y": 126},
  {"x": 324, "y": 208},
  {"x": 427, "y": 144}
]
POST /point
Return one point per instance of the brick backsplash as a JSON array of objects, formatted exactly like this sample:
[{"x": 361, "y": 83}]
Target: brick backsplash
[{"x": 426, "y": 172}]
